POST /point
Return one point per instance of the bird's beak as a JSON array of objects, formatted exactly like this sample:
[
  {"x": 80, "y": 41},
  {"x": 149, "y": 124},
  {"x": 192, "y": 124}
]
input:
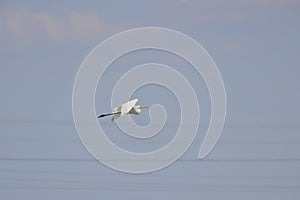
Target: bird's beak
[{"x": 144, "y": 107}]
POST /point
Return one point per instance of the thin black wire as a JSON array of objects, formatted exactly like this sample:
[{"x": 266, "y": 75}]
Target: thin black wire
[
  {"x": 8, "y": 159},
  {"x": 108, "y": 123},
  {"x": 195, "y": 188},
  {"x": 153, "y": 176},
  {"x": 174, "y": 187}
]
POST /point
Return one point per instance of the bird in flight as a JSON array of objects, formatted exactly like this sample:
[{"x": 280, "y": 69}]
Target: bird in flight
[{"x": 126, "y": 108}]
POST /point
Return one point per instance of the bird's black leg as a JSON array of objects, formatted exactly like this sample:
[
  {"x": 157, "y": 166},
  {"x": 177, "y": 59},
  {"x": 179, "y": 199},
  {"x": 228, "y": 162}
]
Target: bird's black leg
[{"x": 104, "y": 115}]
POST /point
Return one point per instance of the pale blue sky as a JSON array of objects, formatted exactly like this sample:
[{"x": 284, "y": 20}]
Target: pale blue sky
[{"x": 255, "y": 44}]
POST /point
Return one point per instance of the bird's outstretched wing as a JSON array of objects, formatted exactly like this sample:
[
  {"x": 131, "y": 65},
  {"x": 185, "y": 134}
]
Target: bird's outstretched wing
[
  {"x": 123, "y": 109},
  {"x": 126, "y": 107},
  {"x": 117, "y": 109},
  {"x": 116, "y": 116}
]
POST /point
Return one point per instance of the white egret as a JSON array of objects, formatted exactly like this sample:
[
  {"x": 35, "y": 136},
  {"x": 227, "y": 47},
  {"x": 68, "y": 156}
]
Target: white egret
[{"x": 126, "y": 108}]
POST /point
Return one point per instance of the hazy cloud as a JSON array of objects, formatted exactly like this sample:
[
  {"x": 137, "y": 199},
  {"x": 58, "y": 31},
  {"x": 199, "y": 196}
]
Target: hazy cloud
[{"x": 23, "y": 26}]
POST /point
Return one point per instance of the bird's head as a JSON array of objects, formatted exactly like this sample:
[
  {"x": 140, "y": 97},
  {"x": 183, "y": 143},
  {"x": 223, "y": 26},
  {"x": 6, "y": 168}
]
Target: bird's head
[
  {"x": 138, "y": 109},
  {"x": 142, "y": 107}
]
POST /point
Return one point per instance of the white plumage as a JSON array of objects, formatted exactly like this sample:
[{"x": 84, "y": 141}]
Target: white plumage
[{"x": 126, "y": 108}]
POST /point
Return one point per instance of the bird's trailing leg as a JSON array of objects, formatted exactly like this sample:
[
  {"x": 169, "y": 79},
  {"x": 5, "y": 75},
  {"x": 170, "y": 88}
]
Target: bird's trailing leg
[{"x": 104, "y": 115}]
